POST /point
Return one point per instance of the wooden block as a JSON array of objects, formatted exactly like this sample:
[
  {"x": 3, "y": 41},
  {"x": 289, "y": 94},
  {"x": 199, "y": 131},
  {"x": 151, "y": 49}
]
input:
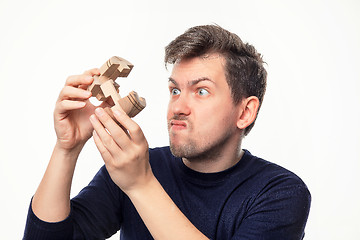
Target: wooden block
[
  {"x": 125, "y": 66},
  {"x": 132, "y": 104},
  {"x": 109, "y": 90},
  {"x": 116, "y": 67},
  {"x": 94, "y": 88},
  {"x": 109, "y": 72},
  {"x": 116, "y": 86},
  {"x": 104, "y": 87}
]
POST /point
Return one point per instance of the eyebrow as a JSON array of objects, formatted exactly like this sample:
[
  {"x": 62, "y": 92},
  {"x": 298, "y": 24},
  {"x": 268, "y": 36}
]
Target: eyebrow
[{"x": 192, "y": 82}]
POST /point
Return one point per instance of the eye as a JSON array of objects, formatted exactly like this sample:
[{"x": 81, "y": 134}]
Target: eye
[
  {"x": 203, "y": 92},
  {"x": 175, "y": 91}
]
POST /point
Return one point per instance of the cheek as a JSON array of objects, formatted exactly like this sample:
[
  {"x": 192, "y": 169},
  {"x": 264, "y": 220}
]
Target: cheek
[
  {"x": 219, "y": 118},
  {"x": 169, "y": 114}
]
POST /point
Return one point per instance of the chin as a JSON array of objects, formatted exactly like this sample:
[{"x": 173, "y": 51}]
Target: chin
[
  {"x": 182, "y": 151},
  {"x": 188, "y": 151}
]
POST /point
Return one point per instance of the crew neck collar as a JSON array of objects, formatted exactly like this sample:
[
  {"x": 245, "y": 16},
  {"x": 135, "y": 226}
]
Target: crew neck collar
[{"x": 201, "y": 177}]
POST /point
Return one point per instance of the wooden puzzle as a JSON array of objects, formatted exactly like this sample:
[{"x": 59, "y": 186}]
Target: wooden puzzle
[{"x": 105, "y": 87}]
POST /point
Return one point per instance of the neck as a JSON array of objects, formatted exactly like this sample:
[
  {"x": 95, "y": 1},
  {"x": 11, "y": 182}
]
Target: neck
[{"x": 218, "y": 163}]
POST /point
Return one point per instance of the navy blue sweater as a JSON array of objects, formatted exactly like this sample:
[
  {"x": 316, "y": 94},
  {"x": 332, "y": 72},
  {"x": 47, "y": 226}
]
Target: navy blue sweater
[{"x": 255, "y": 199}]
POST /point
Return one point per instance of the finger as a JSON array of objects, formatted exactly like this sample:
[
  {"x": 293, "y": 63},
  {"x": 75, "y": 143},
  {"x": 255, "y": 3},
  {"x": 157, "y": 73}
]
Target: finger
[
  {"x": 118, "y": 133},
  {"x": 83, "y": 86},
  {"x": 106, "y": 139},
  {"x": 92, "y": 72},
  {"x": 68, "y": 105},
  {"x": 79, "y": 80},
  {"x": 106, "y": 155},
  {"x": 69, "y": 92},
  {"x": 134, "y": 130}
]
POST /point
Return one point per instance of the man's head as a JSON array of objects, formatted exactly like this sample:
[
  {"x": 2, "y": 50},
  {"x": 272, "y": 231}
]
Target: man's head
[{"x": 244, "y": 70}]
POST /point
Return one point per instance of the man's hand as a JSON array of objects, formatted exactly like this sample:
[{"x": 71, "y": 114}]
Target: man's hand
[
  {"x": 72, "y": 111},
  {"x": 51, "y": 201},
  {"x": 124, "y": 149},
  {"x": 126, "y": 156}
]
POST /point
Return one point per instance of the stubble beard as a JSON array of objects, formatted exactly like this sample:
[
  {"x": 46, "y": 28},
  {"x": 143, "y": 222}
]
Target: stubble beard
[
  {"x": 188, "y": 150},
  {"x": 203, "y": 150}
]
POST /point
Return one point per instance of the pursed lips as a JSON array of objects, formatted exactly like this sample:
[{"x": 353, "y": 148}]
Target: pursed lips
[{"x": 178, "y": 124}]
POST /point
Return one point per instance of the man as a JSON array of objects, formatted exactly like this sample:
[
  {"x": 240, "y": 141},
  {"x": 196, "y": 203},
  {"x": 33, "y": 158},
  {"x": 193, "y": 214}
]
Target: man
[{"x": 204, "y": 186}]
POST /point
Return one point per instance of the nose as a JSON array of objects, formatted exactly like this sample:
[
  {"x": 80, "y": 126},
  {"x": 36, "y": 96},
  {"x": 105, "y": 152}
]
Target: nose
[{"x": 180, "y": 105}]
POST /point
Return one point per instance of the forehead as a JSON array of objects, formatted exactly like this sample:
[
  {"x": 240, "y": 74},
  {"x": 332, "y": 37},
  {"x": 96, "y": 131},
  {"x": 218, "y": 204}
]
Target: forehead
[{"x": 211, "y": 66}]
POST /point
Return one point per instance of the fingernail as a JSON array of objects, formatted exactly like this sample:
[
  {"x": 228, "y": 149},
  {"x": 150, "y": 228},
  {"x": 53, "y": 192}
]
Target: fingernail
[
  {"x": 99, "y": 111},
  {"x": 92, "y": 118}
]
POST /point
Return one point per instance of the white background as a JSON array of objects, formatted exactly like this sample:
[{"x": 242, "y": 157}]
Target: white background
[{"x": 309, "y": 122}]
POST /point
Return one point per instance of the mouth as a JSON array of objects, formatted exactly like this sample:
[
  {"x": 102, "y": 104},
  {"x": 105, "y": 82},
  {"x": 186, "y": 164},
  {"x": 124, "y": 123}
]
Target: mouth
[{"x": 178, "y": 125}]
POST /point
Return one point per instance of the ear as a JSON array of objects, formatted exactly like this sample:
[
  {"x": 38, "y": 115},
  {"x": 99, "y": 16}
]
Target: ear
[{"x": 249, "y": 107}]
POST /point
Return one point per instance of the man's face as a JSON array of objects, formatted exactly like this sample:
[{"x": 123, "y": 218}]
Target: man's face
[{"x": 201, "y": 114}]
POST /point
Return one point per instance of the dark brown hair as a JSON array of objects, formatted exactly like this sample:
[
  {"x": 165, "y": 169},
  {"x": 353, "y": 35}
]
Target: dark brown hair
[{"x": 245, "y": 73}]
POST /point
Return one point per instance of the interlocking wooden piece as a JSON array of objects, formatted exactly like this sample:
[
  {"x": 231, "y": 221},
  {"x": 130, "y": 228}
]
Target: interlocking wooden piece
[{"x": 104, "y": 86}]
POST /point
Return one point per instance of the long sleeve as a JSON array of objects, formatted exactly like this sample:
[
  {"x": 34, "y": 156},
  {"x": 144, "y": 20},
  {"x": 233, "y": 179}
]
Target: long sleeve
[
  {"x": 95, "y": 214},
  {"x": 253, "y": 200},
  {"x": 38, "y": 229}
]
